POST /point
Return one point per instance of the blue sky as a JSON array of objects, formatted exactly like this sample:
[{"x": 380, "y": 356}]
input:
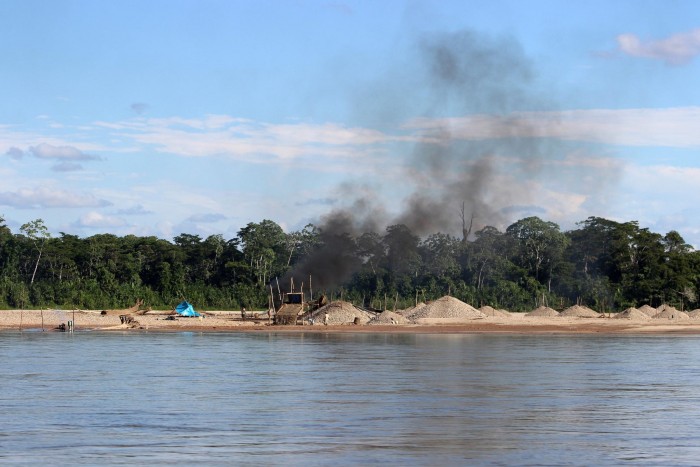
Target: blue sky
[{"x": 168, "y": 117}]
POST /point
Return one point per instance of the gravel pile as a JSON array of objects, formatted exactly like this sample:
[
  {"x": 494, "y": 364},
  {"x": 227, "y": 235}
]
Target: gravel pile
[
  {"x": 340, "y": 312},
  {"x": 409, "y": 311},
  {"x": 389, "y": 317},
  {"x": 633, "y": 314},
  {"x": 578, "y": 311},
  {"x": 669, "y": 312},
  {"x": 647, "y": 310},
  {"x": 543, "y": 311},
  {"x": 490, "y": 311},
  {"x": 447, "y": 307}
]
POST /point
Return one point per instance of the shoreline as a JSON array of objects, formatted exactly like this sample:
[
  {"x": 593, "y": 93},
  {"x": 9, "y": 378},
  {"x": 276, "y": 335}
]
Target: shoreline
[{"x": 217, "y": 322}]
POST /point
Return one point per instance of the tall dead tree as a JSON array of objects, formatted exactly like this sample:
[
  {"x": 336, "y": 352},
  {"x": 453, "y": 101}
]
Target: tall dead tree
[{"x": 466, "y": 231}]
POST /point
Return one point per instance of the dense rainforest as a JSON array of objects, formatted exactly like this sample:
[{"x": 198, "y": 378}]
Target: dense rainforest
[{"x": 603, "y": 264}]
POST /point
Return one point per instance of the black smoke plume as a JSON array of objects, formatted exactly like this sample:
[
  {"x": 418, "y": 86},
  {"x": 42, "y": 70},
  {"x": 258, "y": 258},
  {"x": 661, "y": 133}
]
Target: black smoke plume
[{"x": 452, "y": 180}]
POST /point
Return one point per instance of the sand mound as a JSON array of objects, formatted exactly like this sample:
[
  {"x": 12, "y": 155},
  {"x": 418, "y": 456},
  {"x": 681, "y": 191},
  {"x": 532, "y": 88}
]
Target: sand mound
[
  {"x": 633, "y": 314},
  {"x": 340, "y": 312},
  {"x": 543, "y": 311},
  {"x": 490, "y": 311},
  {"x": 389, "y": 317},
  {"x": 578, "y": 311},
  {"x": 447, "y": 307},
  {"x": 669, "y": 312},
  {"x": 647, "y": 310},
  {"x": 695, "y": 314}
]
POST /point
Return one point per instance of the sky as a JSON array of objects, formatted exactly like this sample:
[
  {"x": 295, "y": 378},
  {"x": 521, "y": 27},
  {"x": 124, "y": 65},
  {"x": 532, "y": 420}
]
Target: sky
[{"x": 159, "y": 118}]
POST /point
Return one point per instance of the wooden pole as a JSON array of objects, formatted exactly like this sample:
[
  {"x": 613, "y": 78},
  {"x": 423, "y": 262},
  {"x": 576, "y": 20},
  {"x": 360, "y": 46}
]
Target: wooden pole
[
  {"x": 279, "y": 292},
  {"x": 385, "y": 300},
  {"x": 311, "y": 290},
  {"x": 396, "y": 300}
]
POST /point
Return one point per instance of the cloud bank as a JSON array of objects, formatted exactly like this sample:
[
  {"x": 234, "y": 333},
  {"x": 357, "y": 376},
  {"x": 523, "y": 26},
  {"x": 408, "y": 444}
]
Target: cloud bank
[{"x": 677, "y": 49}]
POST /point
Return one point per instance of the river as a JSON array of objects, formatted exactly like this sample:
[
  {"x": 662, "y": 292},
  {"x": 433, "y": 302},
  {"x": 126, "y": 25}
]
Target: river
[{"x": 135, "y": 398}]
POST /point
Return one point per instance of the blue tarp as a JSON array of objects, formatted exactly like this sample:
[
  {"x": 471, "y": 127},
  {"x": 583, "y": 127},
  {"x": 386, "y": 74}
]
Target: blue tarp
[{"x": 185, "y": 309}]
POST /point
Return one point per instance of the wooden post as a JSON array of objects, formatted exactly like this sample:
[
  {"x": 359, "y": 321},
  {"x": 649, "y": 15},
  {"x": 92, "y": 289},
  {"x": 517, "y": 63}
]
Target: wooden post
[
  {"x": 279, "y": 292},
  {"x": 396, "y": 300},
  {"x": 384, "y": 300},
  {"x": 302, "y": 304},
  {"x": 272, "y": 305}
]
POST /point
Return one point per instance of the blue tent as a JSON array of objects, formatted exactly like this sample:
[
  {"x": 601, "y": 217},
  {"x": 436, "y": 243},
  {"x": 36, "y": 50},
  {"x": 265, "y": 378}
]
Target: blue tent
[{"x": 185, "y": 309}]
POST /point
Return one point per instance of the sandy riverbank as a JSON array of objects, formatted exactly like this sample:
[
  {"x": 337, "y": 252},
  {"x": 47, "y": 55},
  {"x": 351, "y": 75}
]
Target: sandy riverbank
[{"x": 223, "y": 321}]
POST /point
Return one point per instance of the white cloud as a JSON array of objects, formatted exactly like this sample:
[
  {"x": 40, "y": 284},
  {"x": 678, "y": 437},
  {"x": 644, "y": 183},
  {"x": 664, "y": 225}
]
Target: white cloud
[
  {"x": 661, "y": 197},
  {"x": 206, "y": 218},
  {"x": 671, "y": 127},
  {"x": 66, "y": 167},
  {"x": 137, "y": 210},
  {"x": 15, "y": 152},
  {"x": 222, "y": 135},
  {"x": 46, "y": 197},
  {"x": 674, "y": 50},
  {"x": 668, "y": 181},
  {"x": 96, "y": 220},
  {"x": 48, "y": 151}
]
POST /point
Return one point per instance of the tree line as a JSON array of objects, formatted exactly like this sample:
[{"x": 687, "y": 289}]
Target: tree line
[{"x": 603, "y": 264}]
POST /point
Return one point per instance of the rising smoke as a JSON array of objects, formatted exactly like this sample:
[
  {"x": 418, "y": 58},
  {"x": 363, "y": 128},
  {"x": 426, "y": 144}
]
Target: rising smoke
[{"x": 449, "y": 177}]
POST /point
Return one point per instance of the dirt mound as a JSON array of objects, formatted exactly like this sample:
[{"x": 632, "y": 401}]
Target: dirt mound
[
  {"x": 647, "y": 310},
  {"x": 578, "y": 311},
  {"x": 389, "y": 317},
  {"x": 633, "y": 314},
  {"x": 490, "y": 311},
  {"x": 447, "y": 307},
  {"x": 669, "y": 312},
  {"x": 340, "y": 312},
  {"x": 543, "y": 311}
]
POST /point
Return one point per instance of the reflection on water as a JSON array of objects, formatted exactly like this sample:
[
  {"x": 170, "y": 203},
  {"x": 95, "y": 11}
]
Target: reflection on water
[{"x": 319, "y": 399}]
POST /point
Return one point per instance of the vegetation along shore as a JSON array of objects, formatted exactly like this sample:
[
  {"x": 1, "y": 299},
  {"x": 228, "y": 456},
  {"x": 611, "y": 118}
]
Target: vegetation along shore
[{"x": 605, "y": 265}]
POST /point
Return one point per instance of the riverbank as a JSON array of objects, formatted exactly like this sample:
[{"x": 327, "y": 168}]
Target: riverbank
[{"x": 225, "y": 321}]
